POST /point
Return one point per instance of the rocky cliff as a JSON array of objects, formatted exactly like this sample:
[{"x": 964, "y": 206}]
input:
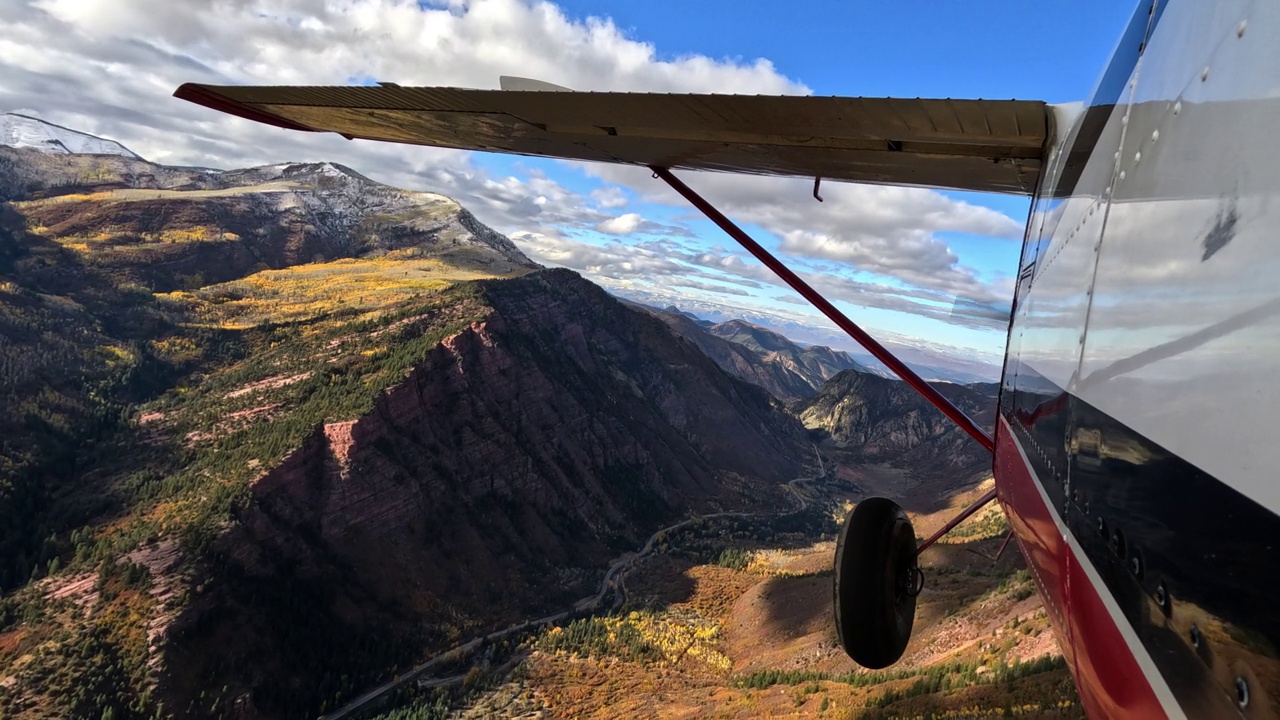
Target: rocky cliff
[
  {"x": 492, "y": 484},
  {"x": 880, "y": 420}
]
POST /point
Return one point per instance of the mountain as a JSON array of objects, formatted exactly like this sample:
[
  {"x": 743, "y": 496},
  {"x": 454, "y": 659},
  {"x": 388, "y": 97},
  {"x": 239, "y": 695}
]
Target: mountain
[
  {"x": 780, "y": 380},
  {"x": 786, "y": 369},
  {"x": 931, "y": 361},
  {"x": 673, "y": 310},
  {"x": 817, "y": 363},
  {"x": 516, "y": 457},
  {"x": 271, "y": 434},
  {"x": 28, "y": 132},
  {"x": 880, "y": 420},
  {"x": 181, "y": 228},
  {"x": 104, "y": 259}
]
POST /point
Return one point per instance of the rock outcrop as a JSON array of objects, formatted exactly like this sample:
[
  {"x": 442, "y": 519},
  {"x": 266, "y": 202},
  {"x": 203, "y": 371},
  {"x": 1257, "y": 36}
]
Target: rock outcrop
[{"x": 880, "y": 420}]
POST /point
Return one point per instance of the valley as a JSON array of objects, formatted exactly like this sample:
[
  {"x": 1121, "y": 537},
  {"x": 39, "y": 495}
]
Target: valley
[
  {"x": 282, "y": 430},
  {"x": 282, "y": 442},
  {"x": 731, "y": 618}
]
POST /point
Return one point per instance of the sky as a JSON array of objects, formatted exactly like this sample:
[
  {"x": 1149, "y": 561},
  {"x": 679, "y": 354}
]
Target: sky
[{"x": 922, "y": 269}]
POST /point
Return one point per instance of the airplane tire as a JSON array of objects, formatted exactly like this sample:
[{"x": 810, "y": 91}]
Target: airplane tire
[{"x": 876, "y": 583}]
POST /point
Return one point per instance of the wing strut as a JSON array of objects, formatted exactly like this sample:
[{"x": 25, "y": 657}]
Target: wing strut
[
  {"x": 880, "y": 352},
  {"x": 964, "y": 515},
  {"x": 858, "y": 334}
]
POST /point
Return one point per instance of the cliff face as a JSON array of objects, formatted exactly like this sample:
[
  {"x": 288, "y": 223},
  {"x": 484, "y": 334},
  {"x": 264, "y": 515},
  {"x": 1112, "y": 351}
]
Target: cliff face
[
  {"x": 882, "y": 420},
  {"x": 494, "y": 483}
]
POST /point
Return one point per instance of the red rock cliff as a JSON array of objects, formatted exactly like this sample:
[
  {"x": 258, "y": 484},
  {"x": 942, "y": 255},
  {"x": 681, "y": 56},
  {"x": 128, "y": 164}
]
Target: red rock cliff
[{"x": 493, "y": 483}]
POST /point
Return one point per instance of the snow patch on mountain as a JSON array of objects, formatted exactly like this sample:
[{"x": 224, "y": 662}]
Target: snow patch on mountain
[{"x": 22, "y": 131}]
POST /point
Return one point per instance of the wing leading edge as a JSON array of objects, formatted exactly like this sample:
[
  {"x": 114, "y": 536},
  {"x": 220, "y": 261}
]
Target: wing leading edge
[{"x": 982, "y": 145}]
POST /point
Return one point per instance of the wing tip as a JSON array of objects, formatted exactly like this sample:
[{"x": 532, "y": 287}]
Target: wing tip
[{"x": 209, "y": 97}]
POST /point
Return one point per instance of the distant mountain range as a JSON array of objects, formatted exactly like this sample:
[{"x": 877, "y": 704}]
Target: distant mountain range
[
  {"x": 932, "y": 363},
  {"x": 759, "y": 355},
  {"x": 876, "y": 419}
]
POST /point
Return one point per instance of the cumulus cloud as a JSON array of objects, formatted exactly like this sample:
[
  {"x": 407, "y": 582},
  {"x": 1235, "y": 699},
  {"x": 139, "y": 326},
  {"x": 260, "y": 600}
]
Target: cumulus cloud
[
  {"x": 621, "y": 225},
  {"x": 633, "y": 223},
  {"x": 609, "y": 198},
  {"x": 615, "y": 260},
  {"x": 668, "y": 264},
  {"x": 708, "y": 287},
  {"x": 109, "y": 68},
  {"x": 892, "y": 231}
]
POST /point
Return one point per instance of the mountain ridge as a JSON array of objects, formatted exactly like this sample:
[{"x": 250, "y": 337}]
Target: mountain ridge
[
  {"x": 759, "y": 355},
  {"x": 527, "y": 449},
  {"x": 18, "y": 130}
]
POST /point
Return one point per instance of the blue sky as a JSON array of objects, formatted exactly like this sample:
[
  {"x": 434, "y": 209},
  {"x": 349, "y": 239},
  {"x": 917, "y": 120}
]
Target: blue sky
[
  {"x": 894, "y": 259},
  {"x": 1050, "y": 50}
]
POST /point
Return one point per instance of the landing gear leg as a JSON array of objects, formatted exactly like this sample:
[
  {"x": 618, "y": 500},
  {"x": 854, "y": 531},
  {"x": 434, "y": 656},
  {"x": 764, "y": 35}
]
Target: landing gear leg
[{"x": 877, "y": 580}]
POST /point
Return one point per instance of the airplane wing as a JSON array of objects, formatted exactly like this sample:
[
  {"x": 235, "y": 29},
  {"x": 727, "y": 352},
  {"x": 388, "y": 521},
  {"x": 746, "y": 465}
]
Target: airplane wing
[{"x": 983, "y": 145}]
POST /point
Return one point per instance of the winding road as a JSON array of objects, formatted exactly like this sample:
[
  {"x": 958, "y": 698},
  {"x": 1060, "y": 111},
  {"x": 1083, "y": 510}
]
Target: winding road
[{"x": 612, "y": 582}]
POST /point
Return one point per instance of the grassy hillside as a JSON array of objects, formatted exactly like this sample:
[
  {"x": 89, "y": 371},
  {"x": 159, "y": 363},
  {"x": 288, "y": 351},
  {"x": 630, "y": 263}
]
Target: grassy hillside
[{"x": 140, "y": 420}]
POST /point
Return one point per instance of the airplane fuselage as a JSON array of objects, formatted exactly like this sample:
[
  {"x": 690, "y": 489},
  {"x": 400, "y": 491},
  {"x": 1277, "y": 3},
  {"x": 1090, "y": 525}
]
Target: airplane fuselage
[{"x": 1136, "y": 447}]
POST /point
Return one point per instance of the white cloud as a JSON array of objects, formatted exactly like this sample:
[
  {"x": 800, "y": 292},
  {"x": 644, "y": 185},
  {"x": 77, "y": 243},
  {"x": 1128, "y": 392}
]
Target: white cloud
[
  {"x": 611, "y": 261},
  {"x": 609, "y": 198},
  {"x": 708, "y": 287},
  {"x": 109, "y": 68},
  {"x": 887, "y": 230},
  {"x": 621, "y": 225}
]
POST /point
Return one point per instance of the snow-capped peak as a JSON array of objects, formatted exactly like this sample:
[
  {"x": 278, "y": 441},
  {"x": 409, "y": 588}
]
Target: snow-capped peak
[{"x": 22, "y": 131}]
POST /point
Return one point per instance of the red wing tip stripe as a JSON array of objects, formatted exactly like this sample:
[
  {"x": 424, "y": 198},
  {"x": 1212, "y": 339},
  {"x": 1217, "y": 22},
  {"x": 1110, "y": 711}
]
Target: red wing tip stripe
[{"x": 203, "y": 95}]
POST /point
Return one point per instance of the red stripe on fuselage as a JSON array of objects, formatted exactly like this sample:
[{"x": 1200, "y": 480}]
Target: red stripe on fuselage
[{"x": 1108, "y": 676}]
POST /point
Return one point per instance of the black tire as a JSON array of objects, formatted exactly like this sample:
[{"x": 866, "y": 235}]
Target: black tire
[{"x": 876, "y": 583}]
